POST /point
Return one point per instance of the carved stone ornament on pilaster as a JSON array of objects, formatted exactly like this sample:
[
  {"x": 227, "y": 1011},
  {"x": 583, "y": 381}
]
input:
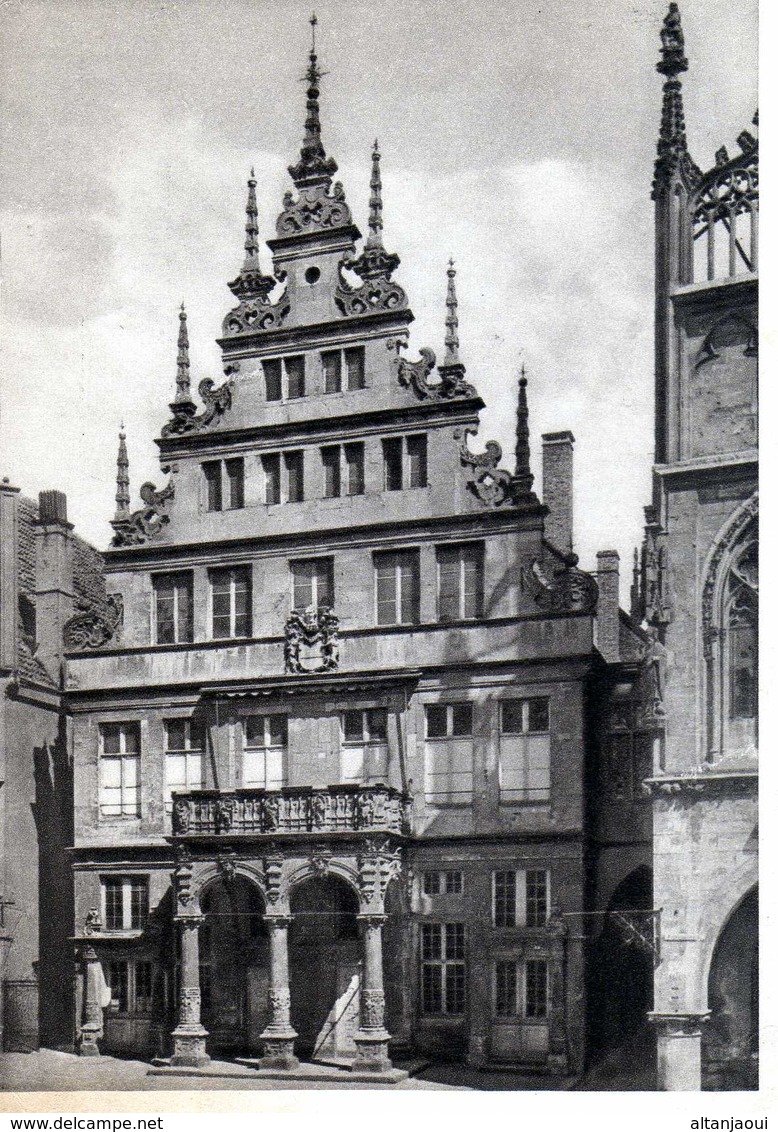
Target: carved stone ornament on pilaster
[
  {"x": 183, "y": 887},
  {"x": 94, "y": 626},
  {"x": 485, "y": 479},
  {"x": 149, "y": 521},
  {"x": 654, "y": 592},
  {"x": 190, "y": 1000},
  {"x": 414, "y": 376},
  {"x": 226, "y": 863},
  {"x": 311, "y": 640},
  {"x": 93, "y": 922},
  {"x": 651, "y": 683},
  {"x": 217, "y": 401},
  {"x": 317, "y": 208},
  {"x": 373, "y": 1003},
  {"x": 274, "y": 867},
  {"x": 181, "y": 817},
  {"x": 560, "y": 587},
  {"x": 320, "y": 860}
]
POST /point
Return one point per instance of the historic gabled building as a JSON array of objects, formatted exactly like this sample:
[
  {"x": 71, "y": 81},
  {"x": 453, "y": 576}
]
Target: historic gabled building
[
  {"x": 697, "y": 586},
  {"x": 332, "y": 732},
  {"x": 46, "y": 572}
]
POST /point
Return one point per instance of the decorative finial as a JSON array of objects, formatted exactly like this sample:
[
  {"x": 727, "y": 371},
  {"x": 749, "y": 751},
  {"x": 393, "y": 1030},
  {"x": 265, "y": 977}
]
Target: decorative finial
[
  {"x": 375, "y": 223},
  {"x": 314, "y": 167},
  {"x": 251, "y": 283},
  {"x": 183, "y": 391},
  {"x": 672, "y": 151},
  {"x": 673, "y": 61},
  {"x": 452, "y": 321},
  {"x": 522, "y": 477},
  {"x": 122, "y": 478}
]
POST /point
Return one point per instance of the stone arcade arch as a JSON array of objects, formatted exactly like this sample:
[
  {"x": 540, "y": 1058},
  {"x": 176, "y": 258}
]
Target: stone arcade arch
[{"x": 730, "y": 1040}]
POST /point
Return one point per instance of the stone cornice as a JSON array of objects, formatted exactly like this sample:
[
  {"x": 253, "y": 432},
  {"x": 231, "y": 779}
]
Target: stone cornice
[
  {"x": 340, "y": 427},
  {"x": 731, "y": 464},
  {"x": 719, "y": 291},
  {"x": 311, "y": 335},
  {"x": 703, "y": 784}
]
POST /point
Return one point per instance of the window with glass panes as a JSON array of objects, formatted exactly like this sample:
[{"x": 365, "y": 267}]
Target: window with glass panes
[
  {"x": 525, "y": 750},
  {"x": 416, "y": 449},
  {"x": 231, "y": 602},
  {"x": 331, "y": 367},
  {"x": 393, "y": 463},
  {"x": 120, "y": 770},
  {"x": 131, "y": 984},
  {"x": 354, "y": 357},
  {"x": 283, "y": 477},
  {"x": 265, "y": 739},
  {"x": 460, "y": 581},
  {"x": 271, "y": 476},
  {"x": 443, "y": 968},
  {"x": 125, "y": 903},
  {"x": 397, "y": 587},
  {"x": 364, "y": 751},
  {"x": 184, "y": 757},
  {"x": 312, "y": 583},
  {"x": 293, "y": 466},
  {"x": 405, "y": 462},
  {"x": 355, "y": 468},
  {"x": 212, "y": 476},
  {"x": 294, "y": 369},
  {"x": 448, "y": 754},
  {"x": 448, "y": 882},
  {"x": 520, "y": 898},
  {"x": 172, "y": 608},
  {"x": 521, "y": 988},
  {"x": 234, "y": 474},
  {"x": 330, "y": 462},
  {"x": 271, "y": 368}
]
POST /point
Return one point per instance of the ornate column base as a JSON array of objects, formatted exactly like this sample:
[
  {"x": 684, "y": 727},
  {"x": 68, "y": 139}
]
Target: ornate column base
[
  {"x": 372, "y": 1051},
  {"x": 87, "y": 1042},
  {"x": 679, "y": 1049},
  {"x": 189, "y": 1046},
  {"x": 278, "y": 1049}
]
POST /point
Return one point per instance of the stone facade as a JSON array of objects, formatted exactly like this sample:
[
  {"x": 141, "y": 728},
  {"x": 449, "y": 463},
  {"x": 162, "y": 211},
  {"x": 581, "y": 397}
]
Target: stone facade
[
  {"x": 332, "y": 761},
  {"x": 696, "y": 584}
]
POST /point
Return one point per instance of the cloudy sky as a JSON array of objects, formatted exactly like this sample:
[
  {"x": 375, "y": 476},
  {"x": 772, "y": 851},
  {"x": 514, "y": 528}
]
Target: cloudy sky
[{"x": 518, "y": 137}]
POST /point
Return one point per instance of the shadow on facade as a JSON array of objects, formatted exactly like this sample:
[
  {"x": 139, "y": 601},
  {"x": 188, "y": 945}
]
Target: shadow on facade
[
  {"x": 52, "y": 812},
  {"x": 730, "y": 1045}
]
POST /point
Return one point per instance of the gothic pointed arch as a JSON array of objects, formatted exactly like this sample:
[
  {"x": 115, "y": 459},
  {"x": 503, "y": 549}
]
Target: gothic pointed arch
[{"x": 730, "y": 636}]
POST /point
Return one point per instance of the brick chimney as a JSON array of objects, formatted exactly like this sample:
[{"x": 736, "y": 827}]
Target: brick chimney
[
  {"x": 9, "y": 576},
  {"x": 608, "y": 604},
  {"x": 558, "y": 488},
  {"x": 53, "y": 578}
]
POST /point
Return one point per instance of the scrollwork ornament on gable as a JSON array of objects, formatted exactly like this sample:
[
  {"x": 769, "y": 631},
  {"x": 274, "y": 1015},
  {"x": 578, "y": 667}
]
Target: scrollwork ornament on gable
[
  {"x": 149, "y": 521},
  {"x": 317, "y": 208},
  {"x": 94, "y": 626},
  {"x": 415, "y": 376},
  {"x": 487, "y": 481},
  {"x": 306, "y": 629},
  {"x": 560, "y": 587},
  {"x": 217, "y": 400}
]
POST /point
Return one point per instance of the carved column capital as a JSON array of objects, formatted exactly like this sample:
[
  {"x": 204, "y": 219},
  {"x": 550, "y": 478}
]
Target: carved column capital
[
  {"x": 372, "y": 920},
  {"x": 278, "y": 920},
  {"x": 190, "y": 921}
]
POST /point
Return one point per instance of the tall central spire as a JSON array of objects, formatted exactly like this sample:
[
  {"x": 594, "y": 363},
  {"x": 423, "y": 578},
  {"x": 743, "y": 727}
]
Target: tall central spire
[{"x": 314, "y": 167}]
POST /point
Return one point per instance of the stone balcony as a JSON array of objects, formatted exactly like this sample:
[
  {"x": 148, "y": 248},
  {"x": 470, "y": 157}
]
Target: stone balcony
[{"x": 300, "y": 810}]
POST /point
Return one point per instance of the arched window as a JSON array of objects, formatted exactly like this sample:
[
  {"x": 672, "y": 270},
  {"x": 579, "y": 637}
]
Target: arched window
[{"x": 730, "y": 638}]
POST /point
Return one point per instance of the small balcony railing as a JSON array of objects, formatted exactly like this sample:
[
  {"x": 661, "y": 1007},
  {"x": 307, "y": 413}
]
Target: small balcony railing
[{"x": 333, "y": 809}]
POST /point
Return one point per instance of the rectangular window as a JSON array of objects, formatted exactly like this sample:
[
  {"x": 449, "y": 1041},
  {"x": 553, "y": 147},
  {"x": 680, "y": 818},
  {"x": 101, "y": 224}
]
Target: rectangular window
[
  {"x": 312, "y": 583},
  {"x": 416, "y": 447},
  {"x": 364, "y": 750},
  {"x": 449, "y": 882},
  {"x": 460, "y": 581},
  {"x": 173, "y": 608},
  {"x": 231, "y": 602},
  {"x": 293, "y": 462},
  {"x": 448, "y": 754},
  {"x": 125, "y": 903},
  {"x": 521, "y": 989},
  {"x": 397, "y": 587},
  {"x": 184, "y": 757},
  {"x": 520, "y": 898},
  {"x": 131, "y": 984},
  {"x": 265, "y": 740},
  {"x": 525, "y": 750},
  {"x": 330, "y": 460},
  {"x": 393, "y": 463},
  {"x": 272, "y": 370},
  {"x": 235, "y": 483},
  {"x": 295, "y": 376},
  {"x": 355, "y": 367},
  {"x": 212, "y": 474},
  {"x": 443, "y": 968},
  {"x": 120, "y": 770},
  {"x": 271, "y": 471},
  {"x": 330, "y": 362},
  {"x": 355, "y": 468}
]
